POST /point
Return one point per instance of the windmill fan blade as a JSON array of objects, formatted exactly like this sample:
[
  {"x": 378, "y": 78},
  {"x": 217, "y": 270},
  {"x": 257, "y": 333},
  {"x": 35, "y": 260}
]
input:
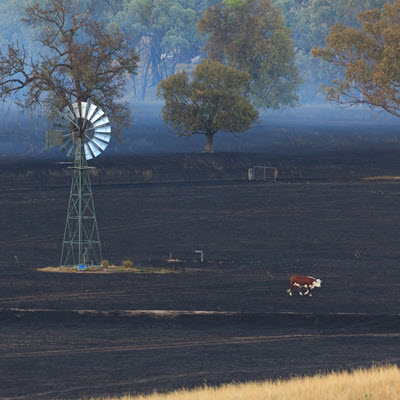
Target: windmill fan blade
[
  {"x": 88, "y": 153},
  {"x": 75, "y": 106},
  {"x": 101, "y": 122},
  {"x": 83, "y": 109},
  {"x": 91, "y": 111},
  {"x": 96, "y": 116},
  {"x": 62, "y": 125},
  {"x": 67, "y": 136},
  {"x": 69, "y": 116},
  {"x": 99, "y": 144},
  {"x": 94, "y": 149},
  {"x": 103, "y": 129},
  {"x": 67, "y": 144},
  {"x": 71, "y": 151},
  {"x": 105, "y": 138}
]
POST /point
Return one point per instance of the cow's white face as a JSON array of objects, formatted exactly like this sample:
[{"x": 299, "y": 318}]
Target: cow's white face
[{"x": 317, "y": 283}]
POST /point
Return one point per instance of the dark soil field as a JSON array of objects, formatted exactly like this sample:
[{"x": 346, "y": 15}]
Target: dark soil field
[{"x": 229, "y": 318}]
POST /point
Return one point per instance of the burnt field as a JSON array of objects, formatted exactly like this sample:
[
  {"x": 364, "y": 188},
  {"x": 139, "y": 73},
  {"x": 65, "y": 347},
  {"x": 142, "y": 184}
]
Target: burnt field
[{"x": 228, "y": 318}]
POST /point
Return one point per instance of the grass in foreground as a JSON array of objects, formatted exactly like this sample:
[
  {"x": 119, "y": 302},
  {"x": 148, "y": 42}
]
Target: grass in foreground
[{"x": 376, "y": 383}]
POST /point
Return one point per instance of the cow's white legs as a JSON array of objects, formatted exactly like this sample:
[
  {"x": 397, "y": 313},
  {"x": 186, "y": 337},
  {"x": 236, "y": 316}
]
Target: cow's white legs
[
  {"x": 307, "y": 282},
  {"x": 298, "y": 289}
]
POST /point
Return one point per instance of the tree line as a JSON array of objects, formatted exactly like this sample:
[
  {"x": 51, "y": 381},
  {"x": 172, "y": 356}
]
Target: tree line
[
  {"x": 165, "y": 34},
  {"x": 215, "y": 64}
]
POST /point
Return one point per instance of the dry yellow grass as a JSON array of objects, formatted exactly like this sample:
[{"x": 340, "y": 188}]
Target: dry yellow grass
[
  {"x": 381, "y": 178},
  {"x": 119, "y": 269},
  {"x": 376, "y": 383}
]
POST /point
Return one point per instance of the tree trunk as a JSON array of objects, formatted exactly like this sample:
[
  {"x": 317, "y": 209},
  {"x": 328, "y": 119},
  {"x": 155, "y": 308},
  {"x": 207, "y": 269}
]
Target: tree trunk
[
  {"x": 210, "y": 144},
  {"x": 155, "y": 63},
  {"x": 144, "y": 85},
  {"x": 144, "y": 80},
  {"x": 134, "y": 86}
]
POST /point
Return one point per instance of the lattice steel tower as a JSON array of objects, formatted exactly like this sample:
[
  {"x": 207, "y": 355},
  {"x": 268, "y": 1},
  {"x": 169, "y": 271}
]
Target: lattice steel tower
[{"x": 84, "y": 132}]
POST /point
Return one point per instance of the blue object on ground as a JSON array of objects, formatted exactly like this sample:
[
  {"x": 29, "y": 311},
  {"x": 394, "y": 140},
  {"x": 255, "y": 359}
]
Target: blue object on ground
[{"x": 81, "y": 267}]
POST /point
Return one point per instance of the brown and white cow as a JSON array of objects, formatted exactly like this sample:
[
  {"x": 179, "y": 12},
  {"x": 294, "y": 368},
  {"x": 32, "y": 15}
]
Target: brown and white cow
[{"x": 303, "y": 281}]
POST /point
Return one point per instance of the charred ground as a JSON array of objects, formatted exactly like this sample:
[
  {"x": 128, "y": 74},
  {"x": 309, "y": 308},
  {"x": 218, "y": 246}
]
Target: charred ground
[{"x": 322, "y": 218}]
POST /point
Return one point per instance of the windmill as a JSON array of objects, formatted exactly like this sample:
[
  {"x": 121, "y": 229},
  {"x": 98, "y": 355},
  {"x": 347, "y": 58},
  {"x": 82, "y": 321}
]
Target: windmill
[{"x": 83, "y": 131}]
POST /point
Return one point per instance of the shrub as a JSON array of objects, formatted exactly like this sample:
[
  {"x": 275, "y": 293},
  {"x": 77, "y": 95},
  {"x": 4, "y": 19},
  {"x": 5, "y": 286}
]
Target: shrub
[
  {"x": 127, "y": 263},
  {"x": 105, "y": 263},
  {"x": 147, "y": 175},
  {"x": 357, "y": 253}
]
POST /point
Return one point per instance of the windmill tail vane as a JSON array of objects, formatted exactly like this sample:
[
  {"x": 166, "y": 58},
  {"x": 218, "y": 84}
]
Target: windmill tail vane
[{"x": 83, "y": 132}]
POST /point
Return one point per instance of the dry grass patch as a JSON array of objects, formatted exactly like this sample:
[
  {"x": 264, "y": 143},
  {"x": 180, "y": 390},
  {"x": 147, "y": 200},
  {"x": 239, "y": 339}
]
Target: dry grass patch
[
  {"x": 381, "y": 178},
  {"x": 376, "y": 383},
  {"x": 120, "y": 269}
]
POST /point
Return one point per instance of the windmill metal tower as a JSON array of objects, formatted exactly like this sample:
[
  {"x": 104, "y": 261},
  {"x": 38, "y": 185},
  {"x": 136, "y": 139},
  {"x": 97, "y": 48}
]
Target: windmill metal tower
[{"x": 84, "y": 132}]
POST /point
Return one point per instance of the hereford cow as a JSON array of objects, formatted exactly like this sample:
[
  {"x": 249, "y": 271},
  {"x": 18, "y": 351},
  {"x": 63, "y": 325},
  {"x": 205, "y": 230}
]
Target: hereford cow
[{"x": 303, "y": 281}]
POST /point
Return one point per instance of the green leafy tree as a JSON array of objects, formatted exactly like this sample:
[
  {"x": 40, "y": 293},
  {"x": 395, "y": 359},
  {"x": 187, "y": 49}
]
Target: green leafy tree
[
  {"x": 212, "y": 100},
  {"x": 80, "y": 60},
  {"x": 369, "y": 57},
  {"x": 250, "y": 35},
  {"x": 166, "y": 35},
  {"x": 310, "y": 22}
]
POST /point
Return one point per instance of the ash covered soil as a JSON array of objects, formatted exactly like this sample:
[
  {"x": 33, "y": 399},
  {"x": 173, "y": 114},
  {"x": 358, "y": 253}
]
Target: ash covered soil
[{"x": 228, "y": 318}]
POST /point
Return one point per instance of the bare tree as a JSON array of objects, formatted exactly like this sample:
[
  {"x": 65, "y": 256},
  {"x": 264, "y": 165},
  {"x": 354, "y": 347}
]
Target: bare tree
[{"x": 80, "y": 60}]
